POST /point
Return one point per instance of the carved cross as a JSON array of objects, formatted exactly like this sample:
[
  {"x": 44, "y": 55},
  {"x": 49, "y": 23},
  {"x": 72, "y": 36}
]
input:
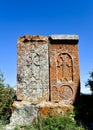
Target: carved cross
[{"x": 64, "y": 62}]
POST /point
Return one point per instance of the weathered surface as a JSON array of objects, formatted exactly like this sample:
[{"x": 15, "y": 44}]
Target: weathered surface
[
  {"x": 25, "y": 113},
  {"x": 48, "y": 78},
  {"x": 33, "y": 69},
  {"x": 64, "y": 68},
  {"x": 50, "y": 109}
]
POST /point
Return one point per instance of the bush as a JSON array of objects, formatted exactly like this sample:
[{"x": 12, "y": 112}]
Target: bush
[
  {"x": 6, "y": 100},
  {"x": 59, "y": 122}
]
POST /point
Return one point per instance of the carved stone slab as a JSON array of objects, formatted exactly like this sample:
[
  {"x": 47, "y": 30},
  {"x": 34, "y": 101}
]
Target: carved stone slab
[
  {"x": 64, "y": 68},
  {"x": 33, "y": 69},
  {"x": 48, "y": 78}
]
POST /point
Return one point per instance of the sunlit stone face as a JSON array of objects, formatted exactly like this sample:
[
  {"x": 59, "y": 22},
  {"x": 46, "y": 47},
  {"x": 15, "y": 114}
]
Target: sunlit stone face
[{"x": 33, "y": 69}]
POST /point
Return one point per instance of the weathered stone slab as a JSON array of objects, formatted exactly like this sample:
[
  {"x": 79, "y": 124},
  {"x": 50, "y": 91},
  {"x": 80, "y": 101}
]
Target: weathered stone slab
[
  {"x": 25, "y": 113},
  {"x": 64, "y": 68},
  {"x": 33, "y": 69},
  {"x": 51, "y": 109},
  {"x": 48, "y": 78}
]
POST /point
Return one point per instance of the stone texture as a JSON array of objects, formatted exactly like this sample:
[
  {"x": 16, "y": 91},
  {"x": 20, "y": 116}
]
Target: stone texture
[
  {"x": 33, "y": 69},
  {"x": 26, "y": 113},
  {"x": 50, "y": 109},
  {"x": 23, "y": 113},
  {"x": 64, "y": 68},
  {"x": 48, "y": 78}
]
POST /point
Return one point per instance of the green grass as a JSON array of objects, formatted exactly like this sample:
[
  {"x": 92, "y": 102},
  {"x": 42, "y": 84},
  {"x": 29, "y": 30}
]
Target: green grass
[
  {"x": 57, "y": 122},
  {"x": 2, "y": 127}
]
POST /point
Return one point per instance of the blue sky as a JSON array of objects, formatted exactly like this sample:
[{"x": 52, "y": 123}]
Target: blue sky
[{"x": 41, "y": 17}]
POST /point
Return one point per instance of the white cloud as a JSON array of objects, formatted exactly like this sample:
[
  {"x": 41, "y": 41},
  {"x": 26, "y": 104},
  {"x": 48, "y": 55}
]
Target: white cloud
[{"x": 85, "y": 90}]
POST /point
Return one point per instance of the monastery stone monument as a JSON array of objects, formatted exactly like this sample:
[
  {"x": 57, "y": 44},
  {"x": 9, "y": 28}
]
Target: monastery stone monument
[
  {"x": 48, "y": 78},
  {"x": 33, "y": 69}
]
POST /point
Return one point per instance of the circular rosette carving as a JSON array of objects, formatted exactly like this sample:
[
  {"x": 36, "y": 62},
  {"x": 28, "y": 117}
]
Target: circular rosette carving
[{"x": 65, "y": 92}]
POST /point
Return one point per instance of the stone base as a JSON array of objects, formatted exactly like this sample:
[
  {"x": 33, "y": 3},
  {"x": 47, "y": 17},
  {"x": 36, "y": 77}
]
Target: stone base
[{"x": 25, "y": 113}]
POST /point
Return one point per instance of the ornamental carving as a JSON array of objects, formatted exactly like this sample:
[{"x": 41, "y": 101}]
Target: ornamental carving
[
  {"x": 64, "y": 68},
  {"x": 33, "y": 71},
  {"x": 33, "y": 62},
  {"x": 65, "y": 92}
]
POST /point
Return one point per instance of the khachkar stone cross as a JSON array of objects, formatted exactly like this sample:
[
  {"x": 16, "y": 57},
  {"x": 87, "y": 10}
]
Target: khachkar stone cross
[
  {"x": 33, "y": 69},
  {"x": 48, "y": 78},
  {"x": 64, "y": 68},
  {"x": 48, "y": 68}
]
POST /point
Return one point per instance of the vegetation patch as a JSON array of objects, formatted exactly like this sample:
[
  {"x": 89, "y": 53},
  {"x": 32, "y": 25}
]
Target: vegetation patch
[
  {"x": 6, "y": 100},
  {"x": 57, "y": 122}
]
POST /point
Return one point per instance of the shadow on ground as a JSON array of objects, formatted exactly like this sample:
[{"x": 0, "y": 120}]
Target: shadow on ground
[{"x": 84, "y": 111}]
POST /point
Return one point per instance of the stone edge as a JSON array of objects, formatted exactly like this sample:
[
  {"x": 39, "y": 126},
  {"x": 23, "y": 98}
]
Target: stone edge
[
  {"x": 32, "y": 38},
  {"x": 64, "y": 37}
]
